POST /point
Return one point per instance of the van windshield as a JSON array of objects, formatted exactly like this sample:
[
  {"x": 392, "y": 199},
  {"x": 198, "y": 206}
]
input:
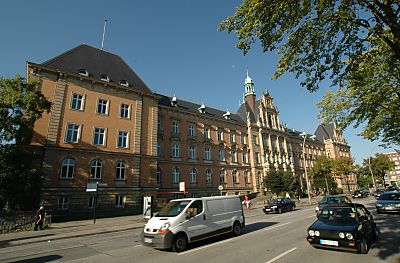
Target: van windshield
[{"x": 172, "y": 208}]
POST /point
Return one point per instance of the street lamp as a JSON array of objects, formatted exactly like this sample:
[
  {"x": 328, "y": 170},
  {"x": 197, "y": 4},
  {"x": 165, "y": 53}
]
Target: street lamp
[{"x": 304, "y": 163}]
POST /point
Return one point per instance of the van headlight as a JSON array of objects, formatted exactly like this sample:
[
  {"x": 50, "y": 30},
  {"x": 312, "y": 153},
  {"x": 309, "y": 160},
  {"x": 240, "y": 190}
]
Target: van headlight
[{"x": 164, "y": 228}]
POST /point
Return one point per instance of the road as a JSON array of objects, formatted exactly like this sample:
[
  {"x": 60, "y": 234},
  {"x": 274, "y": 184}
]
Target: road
[{"x": 265, "y": 239}]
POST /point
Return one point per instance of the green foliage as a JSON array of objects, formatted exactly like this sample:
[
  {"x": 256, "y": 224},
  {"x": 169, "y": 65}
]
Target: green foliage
[
  {"x": 21, "y": 104},
  {"x": 356, "y": 44},
  {"x": 380, "y": 165},
  {"x": 279, "y": 181},
  {"x": 321, "y": 175}
]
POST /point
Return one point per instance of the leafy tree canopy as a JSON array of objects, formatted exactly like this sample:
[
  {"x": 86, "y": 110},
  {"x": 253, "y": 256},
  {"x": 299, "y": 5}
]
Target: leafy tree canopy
[
  {"x": 356, "y": 44},
  {"x": 278, "y": 181},
  {"x": 380, "y": 165},
  {"x": 321, "y": 174}
]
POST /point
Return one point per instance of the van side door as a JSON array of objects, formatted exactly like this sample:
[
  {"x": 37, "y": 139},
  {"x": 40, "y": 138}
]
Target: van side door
[{"x": 196, "y": 221}]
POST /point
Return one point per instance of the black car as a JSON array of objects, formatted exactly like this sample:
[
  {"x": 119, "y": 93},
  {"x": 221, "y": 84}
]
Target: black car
[
  {"x": 331, "y": 199},
  {"x": 279, "y": 205},
  {"x": 360, "y": 193},
  {"x": 343, "y": 227},
  {"x": 378, "y": 192},
  {"x": 388, "y": 202}
]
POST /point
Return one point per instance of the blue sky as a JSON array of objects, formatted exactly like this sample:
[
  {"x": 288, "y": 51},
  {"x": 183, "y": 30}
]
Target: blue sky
[{"x": 174, "y": 46}]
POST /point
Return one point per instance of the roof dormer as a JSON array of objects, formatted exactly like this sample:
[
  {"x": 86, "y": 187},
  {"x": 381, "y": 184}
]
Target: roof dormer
[
  {"x": 104, "y": 77},
  {"x": 227, "y": 115},
  {"x": 202, "y": 108},
  {"x": 124, "y": 83},
  {"x": 83, "y": 72},
  {"x": 174, "y": 101}
]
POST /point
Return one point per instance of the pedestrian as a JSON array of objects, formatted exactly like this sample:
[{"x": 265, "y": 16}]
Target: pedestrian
[
  {"x": 246, "y": 201},
  {"x": 39, "y": 219},
  {"x": 287, "y": 195}
]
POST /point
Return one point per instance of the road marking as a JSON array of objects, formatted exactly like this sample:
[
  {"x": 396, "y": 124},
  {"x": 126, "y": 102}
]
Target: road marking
[
  {"x": 137, "y": 246},
  {"x": 281, "y": 255},
  {"x": 230, "y": 239}
]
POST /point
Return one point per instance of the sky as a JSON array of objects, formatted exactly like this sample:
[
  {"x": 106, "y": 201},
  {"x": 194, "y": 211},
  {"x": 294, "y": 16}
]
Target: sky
[{"x": 174, "y": 46}]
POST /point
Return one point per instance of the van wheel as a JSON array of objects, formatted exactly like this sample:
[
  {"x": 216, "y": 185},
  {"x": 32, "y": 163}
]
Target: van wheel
[
  {"x": 236, "y": 229},
  {"x": 180, "y": 243}
]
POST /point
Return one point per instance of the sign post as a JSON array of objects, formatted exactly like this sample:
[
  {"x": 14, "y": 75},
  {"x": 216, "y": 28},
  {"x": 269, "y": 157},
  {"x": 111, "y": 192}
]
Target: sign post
[{"x": 220, "y": 188}]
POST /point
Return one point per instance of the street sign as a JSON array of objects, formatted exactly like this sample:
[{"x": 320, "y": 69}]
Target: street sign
[
  {"x": 91, "y": 187},
  {"x": 220, "y": 188},
  {"x": 182, "y": 187}
]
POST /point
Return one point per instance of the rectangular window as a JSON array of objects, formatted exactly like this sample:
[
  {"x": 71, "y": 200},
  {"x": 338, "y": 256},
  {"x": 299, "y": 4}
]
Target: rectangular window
[
  {"x": 175, "y": 127},
  {"x": 159, "y": 124},
  {"x": 244, "y": 139},
  {"x": 192, "y": 152},
  {"x": 221, "y": 155},
  {"x": 232, "y": 137},
  {"x": 122, "y": 139},
  {"x": 234, "y": 155},
  {"x": 207, "y": 153},
  {"x": 99, "y": 136},
  {"x": 220, "y": 135},
  {"x": 257, "y": 158},
  {"x": 175, "y": 151},
  {"x": 206, "y": 132},
  {"x": 192, "y": 130},
  {"x": 124, "y": 111},
  {"x": 72, "y": 134},
  {"x": 120, "y": 201},
  {"x": 63, "y": 203},
  {"x": 102, "y": 106},
  {"x": 255, "y": 140},
  {"x": 158, "y": 148},
  {"x": 245, "y": 159},
  {"x": 77, "y": 101}
]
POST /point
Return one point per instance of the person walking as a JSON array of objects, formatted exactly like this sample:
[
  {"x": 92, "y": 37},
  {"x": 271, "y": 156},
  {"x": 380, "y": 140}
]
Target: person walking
[
  {"x": 39, "y": 219},
  {"x": 246, "y": 201}
]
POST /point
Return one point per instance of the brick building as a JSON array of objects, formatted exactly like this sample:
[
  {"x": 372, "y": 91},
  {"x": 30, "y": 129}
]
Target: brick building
[
  {"x": 393, "y": 177},
  {"x": 106, "y": 126}
]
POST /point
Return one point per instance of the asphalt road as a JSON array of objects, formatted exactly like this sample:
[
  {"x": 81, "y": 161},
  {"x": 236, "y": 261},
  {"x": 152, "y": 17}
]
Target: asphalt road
[{"x": 265, "y": 239}]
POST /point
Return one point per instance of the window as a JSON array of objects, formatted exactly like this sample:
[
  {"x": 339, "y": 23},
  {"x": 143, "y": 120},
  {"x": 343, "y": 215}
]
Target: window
[
  {"x": 234, "y": 155},
  {"x": 222, "y": 176},
  {"x": 193, "y": 176},
  {"x": 175, "y": 150},
  {"x": 244, "y": 139},
  {"x": 245, "y": 156},
  {"x": 92, "y": 201},
  {"x": 235, "y": 177},
  {"x": 175, "y": 175},
  {"x": 257, "y": 158},
  {"x": 63, "y": 203},
  {"x": 175, "y": 127},
  {"x": 159, "y": 124},
  {"x": 232, "y": 137},
  {"x": 246, "y": 177},
  {"x": 77, "y": 101},
  {"x": 67, "y": 168},
  {"x": 124, "y": 111},
  {"x": 207, "y": 153},
  {"x": 158, "y": 175},
  {"x": 95, "y": 169},
  {"x": 206, "y": 133},
  {"x": 255, "y": 140},
  {"x": 220, "y": 135},
  {"x": 99, "y": 136},
  {"x": 221, "y": 155},
  {"x": 122, "y": 139},
  {"x": 192, "y": 130},
  {"x": 102, "y": 106},
  {"x": 208, "y": 176},
  {"x": 120, "y": 201},
  {"x": 158, "y": 148},
  {"x": 192, "y": 152},
  {"x": 121, "y": 170},
  {"x": 72, "y": 134}
]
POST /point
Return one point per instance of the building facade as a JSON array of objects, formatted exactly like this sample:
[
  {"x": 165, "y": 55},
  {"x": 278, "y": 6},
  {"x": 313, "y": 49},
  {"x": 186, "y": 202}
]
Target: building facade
[
  {"x": 393, "y": 177},
  {"x": 107, "y": 128}
]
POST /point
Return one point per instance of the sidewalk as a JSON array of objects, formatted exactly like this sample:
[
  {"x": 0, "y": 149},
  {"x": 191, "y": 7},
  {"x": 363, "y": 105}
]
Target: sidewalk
[{"x": 73, "y": 229}]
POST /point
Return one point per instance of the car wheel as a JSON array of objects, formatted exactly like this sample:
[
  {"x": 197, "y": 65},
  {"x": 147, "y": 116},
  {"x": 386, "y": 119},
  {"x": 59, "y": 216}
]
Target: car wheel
[
  {"x": 293, "y": 207},
  {"x": 180, "y": 243},
  {"x": 363, "y": 247},
  {"x": 236, "y": 229},
  {"x": 279, "y": 210}
]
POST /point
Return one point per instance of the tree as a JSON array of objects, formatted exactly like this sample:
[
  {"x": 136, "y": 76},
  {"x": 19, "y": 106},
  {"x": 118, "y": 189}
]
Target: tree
[
  {"x": 364, "y": 179},
  {"x": 321, "y": 174},
  {"x": 356, "y": 44},
  {"x": 279, "y": 182},
  {"x": 21, "y": 104},
  {"x": 380, "y": 165},
  {"x": 344, "y": 168}
]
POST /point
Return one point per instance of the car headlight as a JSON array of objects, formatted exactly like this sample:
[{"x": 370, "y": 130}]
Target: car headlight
[
  {"x": 341, "y": 235},
  {"x": 349, "y": 236},
  {"x": 378, "y": 205},
  {"x": 274, "y": 206},
  {"x": 397, "y": 205},
  {"x": 164, "y": 228},
  {"x": 311, "y": 233},
  {"x": 316, "y": 233}
]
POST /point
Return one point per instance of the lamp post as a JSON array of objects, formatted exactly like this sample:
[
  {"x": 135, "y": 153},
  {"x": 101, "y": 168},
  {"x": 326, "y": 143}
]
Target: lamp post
[{"x": 304, "y": 162}]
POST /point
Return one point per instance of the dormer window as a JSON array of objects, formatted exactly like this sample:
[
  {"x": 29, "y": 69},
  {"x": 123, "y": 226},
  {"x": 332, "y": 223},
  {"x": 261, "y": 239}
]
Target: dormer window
[
  {"x": 174, "y": 101},
  {"x": 202, "y": 108},
  {"x": 227, "y": 115},
  {"x": 104, "y": 77},
  {"x": 124, "y": 83},
  {"x": 83, "y": 72}
]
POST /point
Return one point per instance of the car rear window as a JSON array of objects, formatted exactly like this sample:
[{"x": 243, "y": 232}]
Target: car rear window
[{"x": 389, "y": 196}]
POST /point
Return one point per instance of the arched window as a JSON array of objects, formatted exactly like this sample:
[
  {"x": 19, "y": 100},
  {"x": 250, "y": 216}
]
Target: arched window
[
  {"x": 208, "y": 176},
  {"x": 121, "y": 170},
  {"x": 175, "y": 175},
  {"x": 68, "y": 168},
  {"x": 193, "y": 176},
  {"x": 95, "y": 169}
]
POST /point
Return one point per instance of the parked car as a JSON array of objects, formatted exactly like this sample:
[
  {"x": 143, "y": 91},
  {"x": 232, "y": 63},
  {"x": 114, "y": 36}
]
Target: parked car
[
  {"x": 344, "y": 226},
  {"x": 279, "y": 205},
  {"x": 360, "y": 193},
  {"x": 331, "y": 199},
  {"x": 388, "y": 202},
  {"x": 378, "y": 192}
]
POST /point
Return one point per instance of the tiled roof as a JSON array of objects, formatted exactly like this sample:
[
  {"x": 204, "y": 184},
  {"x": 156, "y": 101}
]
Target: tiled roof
[{"x": 97, "y": 62}]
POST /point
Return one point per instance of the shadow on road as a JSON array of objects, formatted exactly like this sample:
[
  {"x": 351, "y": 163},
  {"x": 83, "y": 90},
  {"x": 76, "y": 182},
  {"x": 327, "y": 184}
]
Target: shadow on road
[
  {"x": 388, "y": 243},
  {"x": 4, "y": 243},
  {"x": 39, "y": 259}
]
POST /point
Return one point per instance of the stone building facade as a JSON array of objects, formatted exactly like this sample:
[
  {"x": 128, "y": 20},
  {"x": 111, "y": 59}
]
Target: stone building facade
[{"x": 107, "y": 127}]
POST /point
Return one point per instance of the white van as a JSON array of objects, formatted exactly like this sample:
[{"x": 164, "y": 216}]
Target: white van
[{"x": 182, "y": 221}]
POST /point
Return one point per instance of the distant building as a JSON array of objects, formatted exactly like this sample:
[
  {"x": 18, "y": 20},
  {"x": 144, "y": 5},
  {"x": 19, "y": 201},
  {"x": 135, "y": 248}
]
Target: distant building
[
  {"x": 393, "y": 177},
  {"x": 106, "y": 126}
]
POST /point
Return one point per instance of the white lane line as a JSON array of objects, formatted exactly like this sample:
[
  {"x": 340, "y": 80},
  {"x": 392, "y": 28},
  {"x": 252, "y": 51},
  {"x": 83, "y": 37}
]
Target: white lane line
[
  {"x": 230, "y": 239},
  {"x": 281, "y": 255},
  {"x": 137, "y": 246}
]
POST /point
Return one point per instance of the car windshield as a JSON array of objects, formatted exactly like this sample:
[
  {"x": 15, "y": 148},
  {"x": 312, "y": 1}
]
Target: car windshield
[
  {"x": 338, "y": 215},
  {"x": 277, "y": 201},
  {"x": 173, "y": 208},
  {"x": 389, "y": 196},
  {"x": 330, "y": 200}
]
